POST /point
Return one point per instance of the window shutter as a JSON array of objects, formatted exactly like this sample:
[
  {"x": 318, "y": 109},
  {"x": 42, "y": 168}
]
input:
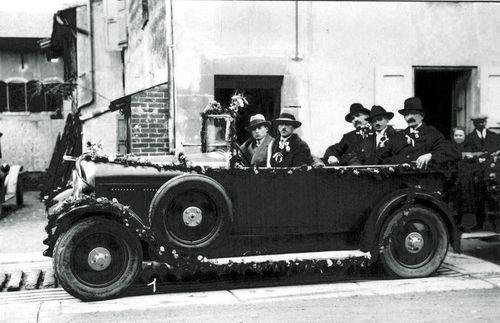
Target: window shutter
[
  {"x": 116, "y": 24},
  {"x": 393, "y": 85}
]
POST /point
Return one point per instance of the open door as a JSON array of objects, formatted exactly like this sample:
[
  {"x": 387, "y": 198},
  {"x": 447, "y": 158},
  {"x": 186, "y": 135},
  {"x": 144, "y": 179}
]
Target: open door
[{"x": 459, "y": 100}]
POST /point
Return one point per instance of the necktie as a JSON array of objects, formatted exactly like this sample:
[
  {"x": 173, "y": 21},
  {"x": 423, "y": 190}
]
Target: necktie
[{"x": 257, "y": 143}]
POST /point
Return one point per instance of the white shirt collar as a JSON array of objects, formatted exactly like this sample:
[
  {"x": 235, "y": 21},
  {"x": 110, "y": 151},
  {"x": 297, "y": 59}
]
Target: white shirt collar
[{"x": 481, "y": 134}]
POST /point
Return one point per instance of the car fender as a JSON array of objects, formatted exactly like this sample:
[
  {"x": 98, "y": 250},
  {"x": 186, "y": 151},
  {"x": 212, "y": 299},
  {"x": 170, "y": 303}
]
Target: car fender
[
  {"x": 60, "y": 223},
  {"x": 12, "y": 178},
  {"x": 384, "y": 209}
]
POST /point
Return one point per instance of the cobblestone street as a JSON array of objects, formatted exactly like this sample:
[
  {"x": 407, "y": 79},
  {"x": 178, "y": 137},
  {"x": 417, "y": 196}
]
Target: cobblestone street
[{"x": 22, "y": 229}]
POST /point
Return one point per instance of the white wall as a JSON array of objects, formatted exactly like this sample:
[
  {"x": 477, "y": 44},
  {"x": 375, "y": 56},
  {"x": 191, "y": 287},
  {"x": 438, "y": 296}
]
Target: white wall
[{"x": 352, "y": 52}]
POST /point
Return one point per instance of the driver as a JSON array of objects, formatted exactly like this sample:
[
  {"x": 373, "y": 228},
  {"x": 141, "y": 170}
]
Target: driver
[
  {"x": 289, "y": 150},
  {"x": 255, "y": 148}
]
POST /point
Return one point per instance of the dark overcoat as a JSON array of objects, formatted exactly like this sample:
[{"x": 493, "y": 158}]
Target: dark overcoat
[
  {"x": 407, "y": 146},
  {"x": 370, "y": 154},
  {"x": 297, "y": 154},
  {"x": 490, "y": 143},
  {"x": 257, "y": 156},
  {"x": 346, "y": 150}
]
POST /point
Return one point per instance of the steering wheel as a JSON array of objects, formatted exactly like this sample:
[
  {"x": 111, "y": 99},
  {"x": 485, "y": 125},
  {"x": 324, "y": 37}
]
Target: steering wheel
[{"x": 239, "y": 157}]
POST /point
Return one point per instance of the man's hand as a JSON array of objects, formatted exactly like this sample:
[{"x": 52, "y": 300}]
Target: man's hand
[
  {"x": 332, "y": 160},
  {"x": 423, "y": 160}
]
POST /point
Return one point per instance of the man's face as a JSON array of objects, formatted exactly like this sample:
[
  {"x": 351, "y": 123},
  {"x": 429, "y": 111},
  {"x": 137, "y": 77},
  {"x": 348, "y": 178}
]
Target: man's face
[
  {"x": 379, "y": 123},
  {"x": 414, "y": 119},
  {"x": 459, "y": 136},
  {"x": 359, "y": 120},
  {"x": 285, "y": 130},
  {"x": 259, "y": 132},
  {"x": 479, "y": 124}
]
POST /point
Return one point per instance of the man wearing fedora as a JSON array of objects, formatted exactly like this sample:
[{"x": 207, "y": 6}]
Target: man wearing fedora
[
  {"x": 481, "y": 139},
  {"x": 373, "y": 146},
  {"x": 288, "y": 150},
  {"x": 419, "y": 142},
  {"x": 347, "y": 150},
  {"x": 255, "y": 148}
]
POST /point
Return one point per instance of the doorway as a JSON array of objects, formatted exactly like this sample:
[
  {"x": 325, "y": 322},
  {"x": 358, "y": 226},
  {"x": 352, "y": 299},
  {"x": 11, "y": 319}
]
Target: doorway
[
  {"x": 447, "y": 96},
  {"x": 263, "y": 93}
]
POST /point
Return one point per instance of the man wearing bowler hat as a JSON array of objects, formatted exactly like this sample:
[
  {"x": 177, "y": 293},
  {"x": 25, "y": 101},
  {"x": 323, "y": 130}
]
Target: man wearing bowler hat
[
  {"x": 288, "y": 150},
  {"x": 481, "y": 139},
  {"x": 374, "y": 145},
  {"x": 419, "y": 142},
  {"x": 254, "y": 149},
  {"x": 347, "y": 150}
]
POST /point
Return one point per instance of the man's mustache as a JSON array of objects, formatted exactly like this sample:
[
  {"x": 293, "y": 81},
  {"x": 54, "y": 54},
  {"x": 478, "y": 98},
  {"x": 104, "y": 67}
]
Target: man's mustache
[{"x": 411, "y": 120}]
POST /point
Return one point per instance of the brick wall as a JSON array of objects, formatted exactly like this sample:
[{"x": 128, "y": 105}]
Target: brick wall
[{"x": 149, "y": 121}]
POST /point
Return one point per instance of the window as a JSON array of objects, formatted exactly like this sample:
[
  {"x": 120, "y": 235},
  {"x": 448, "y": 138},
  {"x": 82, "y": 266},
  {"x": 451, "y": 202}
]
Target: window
[{"x": 32, "y": 96}]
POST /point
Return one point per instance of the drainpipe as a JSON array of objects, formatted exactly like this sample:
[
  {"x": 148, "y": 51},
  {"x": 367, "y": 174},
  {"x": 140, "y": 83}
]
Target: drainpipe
[
  {"x": 296, "y": 57},
  {"x": 171, "y": 78},
  {"x": 90, "y": 22}
]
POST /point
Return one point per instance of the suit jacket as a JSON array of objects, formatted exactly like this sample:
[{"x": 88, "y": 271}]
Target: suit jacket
[
  {"x": 490, "y": 143},
  {"x": 257, "y": 156},
  {"x": 407, "y": 146},
  {"x": 370, "y": 154},
  {"x": 346, "y": 150},
  {"x": 296, "y": 153}
]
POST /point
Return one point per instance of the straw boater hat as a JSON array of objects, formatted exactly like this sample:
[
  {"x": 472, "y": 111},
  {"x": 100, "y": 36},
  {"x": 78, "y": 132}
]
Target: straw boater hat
[
  {"x": 287, "y": 117},
  {"x": 377, "y": 110},
  {"x": 412, "y": 104},
  {"x": 356, "y": 108},
  {"x": 257, "y": 120},
  {"x": 479, "y": 116}
]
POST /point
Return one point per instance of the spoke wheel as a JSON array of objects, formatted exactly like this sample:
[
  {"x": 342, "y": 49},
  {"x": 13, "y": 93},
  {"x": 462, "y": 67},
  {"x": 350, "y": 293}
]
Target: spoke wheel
[
  {"x": 414, "y": 244},
  {"x": 97, "y": 259}
]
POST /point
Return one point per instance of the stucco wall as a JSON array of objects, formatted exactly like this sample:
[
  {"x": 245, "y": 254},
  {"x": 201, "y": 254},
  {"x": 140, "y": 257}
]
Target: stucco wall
[
  {"x": 351, "y": 52},
  {"x": 108, "y": 84},
  {"x": 146, "y": 54}
]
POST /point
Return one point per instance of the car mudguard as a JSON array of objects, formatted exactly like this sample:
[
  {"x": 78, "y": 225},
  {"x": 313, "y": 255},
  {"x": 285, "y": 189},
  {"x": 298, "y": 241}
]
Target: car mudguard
[
  {"x": 396, "y": 200},
  {"x": 65, "y": 214}
]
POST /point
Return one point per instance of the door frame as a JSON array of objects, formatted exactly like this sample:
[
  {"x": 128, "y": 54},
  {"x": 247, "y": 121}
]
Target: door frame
[{"x": 473, "y": 95}]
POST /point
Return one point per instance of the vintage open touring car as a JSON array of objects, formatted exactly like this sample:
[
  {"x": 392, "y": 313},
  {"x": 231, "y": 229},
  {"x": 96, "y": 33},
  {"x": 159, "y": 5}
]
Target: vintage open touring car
[{"x": 122, "y": 211}]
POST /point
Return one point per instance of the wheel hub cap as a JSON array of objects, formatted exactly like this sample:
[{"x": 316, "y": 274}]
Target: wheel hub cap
[
  {"x": 99, "y": 258},
  {"x": 192, "y": 216},
  {"x": 414, "y": 242}
]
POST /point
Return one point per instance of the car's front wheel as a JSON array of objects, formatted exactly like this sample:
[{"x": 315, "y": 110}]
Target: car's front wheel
[
  {"x": 414, "y": 242},
  {"x": 97, "y": 259}
]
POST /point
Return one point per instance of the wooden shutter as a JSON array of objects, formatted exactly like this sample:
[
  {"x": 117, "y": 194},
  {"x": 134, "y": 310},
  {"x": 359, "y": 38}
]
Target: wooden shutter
[
  {"x": 393, "y": 84},
  {"x": 116, "y": 24},
  {"x": 490, "y": 94}
]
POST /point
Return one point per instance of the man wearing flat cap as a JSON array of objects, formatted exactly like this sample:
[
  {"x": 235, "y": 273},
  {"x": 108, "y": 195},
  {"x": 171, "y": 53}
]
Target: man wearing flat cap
[
  {"x": 419, "y": 142},
  {"x": 288, "y": 150},
  {"x": 347, "y": 150},
  {"x": 255, "y": 148},
  {"x": 481, "y": 139},
  {"x": 373, "y": 146}
]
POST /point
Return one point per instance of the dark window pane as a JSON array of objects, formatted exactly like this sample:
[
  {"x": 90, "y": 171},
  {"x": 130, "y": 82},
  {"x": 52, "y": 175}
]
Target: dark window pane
[
  {"x": 3, "y": 97},
  {"x": 17, "y": 97},
  {"x": 53, "y": 96},
  {"x": 36, "y": 99}
]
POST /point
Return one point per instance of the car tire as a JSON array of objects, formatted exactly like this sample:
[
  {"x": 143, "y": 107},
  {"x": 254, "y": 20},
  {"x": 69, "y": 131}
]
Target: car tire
[
  {"x": 192, "y": 213},
  {"x": 19, "y": 192},
  {"x": 414, "y": 242},
  {"x": 97, "y": 259}
]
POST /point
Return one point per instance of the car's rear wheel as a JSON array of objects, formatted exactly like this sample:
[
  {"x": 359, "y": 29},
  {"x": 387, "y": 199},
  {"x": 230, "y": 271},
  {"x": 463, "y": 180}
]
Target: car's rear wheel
[
  {"x": 415, "y": 242},
  {"x": 193, "y": 212},
  {"x": 97, "y": 259}
]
